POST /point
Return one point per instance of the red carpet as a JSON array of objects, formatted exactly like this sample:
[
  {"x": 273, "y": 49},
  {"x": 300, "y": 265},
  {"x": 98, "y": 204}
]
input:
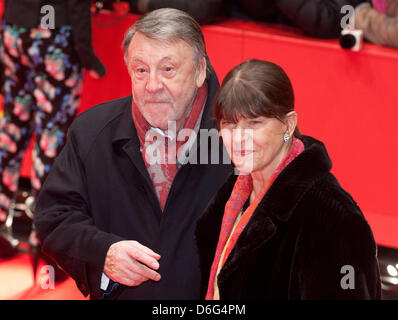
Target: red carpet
[{"x": 16, "y": 278}]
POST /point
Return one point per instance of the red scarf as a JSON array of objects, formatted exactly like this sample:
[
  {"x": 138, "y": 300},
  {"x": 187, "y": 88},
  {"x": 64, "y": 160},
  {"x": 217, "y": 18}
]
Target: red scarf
[
  {"x": 240, "y": 193},
  {"x": 163, "y": 169}
]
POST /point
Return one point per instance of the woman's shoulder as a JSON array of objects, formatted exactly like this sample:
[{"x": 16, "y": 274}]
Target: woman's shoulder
[{"x": 331, "y": 209}]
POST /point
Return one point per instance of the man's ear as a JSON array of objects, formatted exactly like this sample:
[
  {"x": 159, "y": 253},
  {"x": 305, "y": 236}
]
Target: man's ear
[
  {"x": 201, "y": 72},
  {"x": 291, "y": 121}
]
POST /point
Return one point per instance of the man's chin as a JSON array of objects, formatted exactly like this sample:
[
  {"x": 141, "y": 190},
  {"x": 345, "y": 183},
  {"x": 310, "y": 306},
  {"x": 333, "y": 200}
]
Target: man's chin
[
  {"x": 164, "y": 123},
  {"x": 161, "y": 124},
  {"x": 157, "y": 121}
]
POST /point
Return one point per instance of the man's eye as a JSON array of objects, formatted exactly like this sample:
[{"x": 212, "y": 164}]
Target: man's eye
[
  {"x": 140, "y": 73},
  {"x": 168, "y": 69}
]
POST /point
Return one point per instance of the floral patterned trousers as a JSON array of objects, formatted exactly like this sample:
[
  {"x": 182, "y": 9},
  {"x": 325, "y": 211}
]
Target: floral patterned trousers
[{"x": 41, "y": 90}]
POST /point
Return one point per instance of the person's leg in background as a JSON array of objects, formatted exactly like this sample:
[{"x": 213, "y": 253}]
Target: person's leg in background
[
  {"x": 16, "y": 125},
  {"x": 1, "y": 74},
  {"x": 57, "y": 94},
  {"x": 55, "y": 82}
]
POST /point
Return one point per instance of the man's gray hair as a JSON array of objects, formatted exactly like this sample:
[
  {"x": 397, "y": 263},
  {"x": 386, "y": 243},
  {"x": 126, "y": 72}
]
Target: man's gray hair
[{"x": 169, "y": 25}]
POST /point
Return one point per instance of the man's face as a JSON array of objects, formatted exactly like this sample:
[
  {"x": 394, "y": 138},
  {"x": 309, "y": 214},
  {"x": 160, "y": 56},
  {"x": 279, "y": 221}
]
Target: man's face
[{"x": 164, "y": 79}]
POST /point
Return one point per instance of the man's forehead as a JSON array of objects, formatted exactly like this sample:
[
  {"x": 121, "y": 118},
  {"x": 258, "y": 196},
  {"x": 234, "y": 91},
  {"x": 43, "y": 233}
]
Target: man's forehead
[{"x": 142, "y": 46}]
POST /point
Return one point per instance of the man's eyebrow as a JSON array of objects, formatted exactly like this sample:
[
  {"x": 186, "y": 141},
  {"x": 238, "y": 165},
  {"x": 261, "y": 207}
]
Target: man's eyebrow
[
  {"x": 137, "y": 60},
  {"x": 174, "y": 58},
  {"x": 166, "y": 58}
]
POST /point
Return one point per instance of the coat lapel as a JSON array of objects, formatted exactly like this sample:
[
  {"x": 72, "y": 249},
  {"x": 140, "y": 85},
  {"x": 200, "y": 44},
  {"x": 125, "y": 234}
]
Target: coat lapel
[
  {"x": 260, "y": 229},
  {"x": 126, "y": 141}
]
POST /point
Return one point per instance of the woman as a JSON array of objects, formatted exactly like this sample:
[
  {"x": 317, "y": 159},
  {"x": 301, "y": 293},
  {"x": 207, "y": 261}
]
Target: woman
[{"x": 283, "y": 228}]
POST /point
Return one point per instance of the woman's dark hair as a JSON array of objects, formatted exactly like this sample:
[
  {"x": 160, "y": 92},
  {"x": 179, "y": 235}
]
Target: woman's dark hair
[{"x": 253, "y": 89}]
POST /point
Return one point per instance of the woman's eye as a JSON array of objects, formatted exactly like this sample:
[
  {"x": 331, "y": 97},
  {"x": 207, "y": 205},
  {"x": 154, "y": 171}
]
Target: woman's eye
[
  {"x": 255, "y": 122},
  {"x": 227, "y": 123}
]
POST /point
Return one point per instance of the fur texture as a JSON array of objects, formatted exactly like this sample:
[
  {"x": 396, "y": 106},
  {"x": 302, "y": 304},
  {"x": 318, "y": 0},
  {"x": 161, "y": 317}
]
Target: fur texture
[{"x": 303, "y": 233}]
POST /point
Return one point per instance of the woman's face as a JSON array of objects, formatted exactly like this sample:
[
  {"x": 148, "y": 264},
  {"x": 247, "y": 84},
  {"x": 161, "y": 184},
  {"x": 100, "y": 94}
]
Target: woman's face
[{"x": 254, "y": 144}]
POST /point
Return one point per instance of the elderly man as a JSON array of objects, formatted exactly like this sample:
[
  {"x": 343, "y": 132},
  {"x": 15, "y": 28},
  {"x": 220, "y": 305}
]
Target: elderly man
[{"x": 117, "y": 219}]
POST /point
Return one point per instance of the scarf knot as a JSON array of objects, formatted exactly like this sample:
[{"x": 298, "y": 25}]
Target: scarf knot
[{"x": 161, "y": 152}]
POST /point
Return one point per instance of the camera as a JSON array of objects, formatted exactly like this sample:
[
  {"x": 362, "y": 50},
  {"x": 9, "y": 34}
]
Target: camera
[{"x": 351, "y": 39}]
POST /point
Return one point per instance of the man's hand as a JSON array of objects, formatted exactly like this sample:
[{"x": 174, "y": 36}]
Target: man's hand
[{"x": 130, "y": 263}]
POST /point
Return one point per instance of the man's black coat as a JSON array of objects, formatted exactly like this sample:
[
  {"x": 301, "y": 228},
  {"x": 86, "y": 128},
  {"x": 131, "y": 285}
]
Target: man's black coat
[{"x": 99, "y": 192}]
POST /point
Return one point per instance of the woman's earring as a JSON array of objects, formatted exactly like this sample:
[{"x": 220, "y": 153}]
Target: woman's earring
[{"x": 286, "y": 137}]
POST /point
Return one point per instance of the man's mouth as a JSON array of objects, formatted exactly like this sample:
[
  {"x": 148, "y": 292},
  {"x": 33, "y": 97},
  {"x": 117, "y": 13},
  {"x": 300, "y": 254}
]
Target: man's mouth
[{"x": 156, "y": 102}]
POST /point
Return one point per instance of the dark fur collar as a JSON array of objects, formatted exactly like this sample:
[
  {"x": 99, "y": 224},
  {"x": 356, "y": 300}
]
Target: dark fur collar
[{"x": 278, "y": 204}]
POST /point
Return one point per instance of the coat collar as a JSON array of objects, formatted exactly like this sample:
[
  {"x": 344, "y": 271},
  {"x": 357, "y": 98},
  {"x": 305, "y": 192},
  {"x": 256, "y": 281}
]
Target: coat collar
[
  {"x": 276, "y": 207},
  {"x": 297, "y": 178},
  {"x": 126, "y": 129},
  {"x": 126, "y": 139}
]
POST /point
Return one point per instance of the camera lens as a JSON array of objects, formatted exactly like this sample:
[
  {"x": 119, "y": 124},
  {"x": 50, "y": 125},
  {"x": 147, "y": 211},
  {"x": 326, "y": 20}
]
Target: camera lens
[{"x": 347, "y": 41}]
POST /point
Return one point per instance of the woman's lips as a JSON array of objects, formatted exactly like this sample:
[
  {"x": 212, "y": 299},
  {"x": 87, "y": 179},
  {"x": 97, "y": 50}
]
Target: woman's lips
[{"x": 242, "y": 153}]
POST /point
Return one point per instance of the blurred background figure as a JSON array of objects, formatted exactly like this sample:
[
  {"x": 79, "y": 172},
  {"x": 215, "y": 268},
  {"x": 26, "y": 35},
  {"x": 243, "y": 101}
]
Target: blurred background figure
[
  {"x": 316, "y": 18},
  {"x": 44, "y": 46},
  {"x": 203, "y": 11},
  {"x": 378, "y": 21}
]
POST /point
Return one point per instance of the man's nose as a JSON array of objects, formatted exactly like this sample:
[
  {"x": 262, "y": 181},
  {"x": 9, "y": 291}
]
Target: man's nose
[{"x": 154, "y": 83}]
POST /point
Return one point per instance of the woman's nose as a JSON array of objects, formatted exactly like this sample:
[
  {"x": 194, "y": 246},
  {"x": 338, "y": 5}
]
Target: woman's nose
[{"x": 243, "y": 137}]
